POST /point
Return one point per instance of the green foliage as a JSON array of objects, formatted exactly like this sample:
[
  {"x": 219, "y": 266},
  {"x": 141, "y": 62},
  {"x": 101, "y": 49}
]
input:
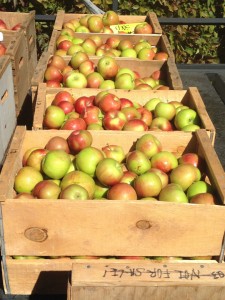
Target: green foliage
[{"x": 191, "y": 44}]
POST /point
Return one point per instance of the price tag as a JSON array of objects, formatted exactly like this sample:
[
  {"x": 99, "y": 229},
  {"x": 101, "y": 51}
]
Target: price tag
[
  {"x": 126, "y": 28},
  {"x": 1, "y": 37}
]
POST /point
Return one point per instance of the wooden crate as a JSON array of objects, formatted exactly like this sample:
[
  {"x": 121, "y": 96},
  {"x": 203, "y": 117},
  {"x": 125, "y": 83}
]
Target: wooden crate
[
  {"x": 156, "y": 40},
  {"x": 7, "y": 106},
  {"x": 50, "y": 228},
  {"x": 146, "y": 279},
  {"x": 145, "y": 68},
  {"x": 17, "y": 50},
  {"x": 190, "y": 97},
  {"x": 150, "y": 17},
  {"x": 28, "y": 28}
]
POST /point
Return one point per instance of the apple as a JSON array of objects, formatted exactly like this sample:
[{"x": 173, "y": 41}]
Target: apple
[
  {"x": 128, "y": 177},
  {"x": 57, "y": 61},
  {"x": 77, "y": 40},
  {"x": 121, "y": 191},
  {"x": 141, "y": 45},
  {"x": 87, "y": 67},
  {"x": 146, "y": 54},
  {"x": 69, "y": 25},
  {"x": 125, "y": 44},
  {"x": 147, "y": 185},
  {"x": 126, "y": 103},
  {"x": 107, "y": 29},
  {"x": 78, "y": 58},
  {"x": 151, "y": 104},
  {"x": 26, "y": 179},
  {"x": 84, "y": 20},
  {"x": 191, "y": 127},
  {"x": 2, "y": 49},
  {"x": 125, "y": 70},
  {"x": 100, "y": 190},
  {"x": 143, "y": 28},
  {"x": 107, "y": 84},
  {"x": 89, "y": 46},
  {"x": 109, "y": 171},
  {"x": 92, "y": 115},
  {"x": 173, "y": 193},
  {"x": 68, "y": 32},
  {"x": 87, "y": 160},
  {"x": 78, "y": 140},
  {"x": 114, "y": 151},
  {"x": 109, "y": 102},
  {"x": 164, "y": 160},
  {"x": 114, "y": 120},
  {"x": 74, "y": 124},
  {"x": 57, "y": 142},
  {"x": 24, "y": 196},
  {"x": 125, "y": 82},
  {"x": 74, "y": 192},
  {"x": 27, "y": 154},
  {"x": 135, "y": 125},
  {"x": 56, "y": 163},
  {"x": 95, "y": 126},
  {"x": 46, "y": 189},
  {"x": 76, "y": 80},
  {"x": 137, "y": 162},
  {"x": 95, "y": 24},
  {"x": 110, "y": 18},
  {"x": 203, "y": 198},
  {"x": 35, "y": 158},
  {"x": 164, "y": 177},
  {"x": 160, "y": 123},
  {"x": 82, "y": 29},
  {"x": 184, "y": 175},
  {"x": 161, "y": 56},
  {"x": 131, "y": 113},
  {"x": 113, "y": 41},
  {"x": 199, "y": 187},
  {"x": 107, "y": 67},
  {"x": 94, "y": 80},
  {"x": 129, "y": 53},
  {"x": 143, "y": 86},
  {"x": 74, "y": 49},
  {"x": 97, "y": 39},
  {"x": 146, "y": 115},
  {"x": 62, "y": 96},
  {"x": 54, "y": 117},
  {"x": 3, "y": 24},
  {"x": 165, "y": 110},
  {"x": 82, "y": 103},
  {"x": 148, "y": 144},
  {"x": 65, "y": 45},
  {"x": 66, "y": 106},
  {"x": 186, "y": 117},
  {"x": 53, "y": 73},
  {"x": 191, "y": 158}
]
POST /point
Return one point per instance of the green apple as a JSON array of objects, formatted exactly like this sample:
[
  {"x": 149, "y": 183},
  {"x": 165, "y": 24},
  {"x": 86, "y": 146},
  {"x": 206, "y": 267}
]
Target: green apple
[
  {"x": 125, "y": 71},
  {"x": 137, "y": 162},
  {"x": 125, "y": 82},
  {"x": 129, "y": 53},
  {"x": 199, "y": 187},
  {"x": 186, "y": 117},
  {"x": 147, "y": 185},
  {"x": 173, "y": 192},
  {"x": 56, "y": 163},
  {"x": 165, "y": 110},
  {"x": 151, "y": 104},
  {"x": 26, "y": 179},
  {"x": 107, "y": 84}
]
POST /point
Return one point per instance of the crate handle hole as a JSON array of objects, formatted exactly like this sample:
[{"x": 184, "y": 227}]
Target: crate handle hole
[
  {"x": 31, "y": 39},
  {"x": 36, "y": 234},
  {"x": 143, "y": 224},
  {"x": 21, "y": 62},
  {"x": 4, "y": 97}
]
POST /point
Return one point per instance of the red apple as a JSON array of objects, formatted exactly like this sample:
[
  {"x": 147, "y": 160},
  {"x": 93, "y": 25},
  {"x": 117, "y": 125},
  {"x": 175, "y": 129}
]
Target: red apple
[
  {"x": 57, "y": 61},
  {"x": 121, "y": 191},
  {"x": 143, "y": 28},
  {"x": 53, "y": 73},
  {"x": 94, "y": 80},
  {"x": 95, "y": 24},
  {"x": 92, "y": 115},
  {"x": 87, "y": 67},
  {"x": 148, "y": 185},
  {"x": 74, "y": 192},
  {"x": 126, "y": 102},
  {"x": 35, "y": 158},
  {"x": 65, "y": 45},
  {"x": 114, "y": 151},
  {"x": 110, "y": 18},
  {"x": 164, "y": 160},
  {"x": 148, "y": 144},
  {"x": 146, "y": 115},
  {"x": 113, "y": 41},
  {"x": 57, "y": 142},
  {"x": 79, "y": 140},
  {"x": 135, "y": 125},
  {"x": 160, "y": 123},
  {"x": 128, "y": 177},
  {"x": 46, "y": 189},
  {"x": 114, "y": 120},
  {"x": 107, "y": 67},
  {"x": 74, "y": 124},
  {"x": 161, "y": 56},
  {"x": 82, "y": 103},
  {"x": 109, "y": 102},
  {"x": 131, "y": 113}
]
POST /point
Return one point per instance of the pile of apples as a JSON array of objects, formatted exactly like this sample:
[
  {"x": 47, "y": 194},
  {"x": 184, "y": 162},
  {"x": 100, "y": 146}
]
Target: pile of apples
[
  {"x": 71, "y": 168},
  {"x": 106, "y": 73},
  {"x": 107, "y": 111},
  {"x": 68, "y": 44},
  {"x": 102, "y": 23}
]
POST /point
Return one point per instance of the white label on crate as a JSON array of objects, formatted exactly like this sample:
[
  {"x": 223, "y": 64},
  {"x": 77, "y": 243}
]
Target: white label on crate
[{"x": 1, "y": 37}]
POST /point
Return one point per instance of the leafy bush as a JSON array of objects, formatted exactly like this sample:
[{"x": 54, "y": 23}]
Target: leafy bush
[{"x": 190, "y": 43}]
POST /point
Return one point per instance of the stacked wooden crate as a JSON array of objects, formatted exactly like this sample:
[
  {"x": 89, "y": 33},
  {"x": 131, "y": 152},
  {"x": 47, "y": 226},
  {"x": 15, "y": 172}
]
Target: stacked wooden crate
[
  {"x": 21, "y": 47},
  {"x": 54, "y": 239}
]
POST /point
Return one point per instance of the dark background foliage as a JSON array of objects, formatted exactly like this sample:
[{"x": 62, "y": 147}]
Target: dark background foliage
[{"x": 191, "y": 44}]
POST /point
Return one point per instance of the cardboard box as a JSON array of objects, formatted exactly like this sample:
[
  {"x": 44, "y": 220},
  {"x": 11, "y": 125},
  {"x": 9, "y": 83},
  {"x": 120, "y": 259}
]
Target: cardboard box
[
  {"x": 7, "y": 106},
  {"x": 156, "y": 40},
  {"x": 150, "y": 17},
  {"x": 61, "y": 229},
  {"x": 146, "y": 279},
  {"x": 17, "y": 50},
  {"x": 27, "y": 20},
  {"x": 190, "y": 97}
]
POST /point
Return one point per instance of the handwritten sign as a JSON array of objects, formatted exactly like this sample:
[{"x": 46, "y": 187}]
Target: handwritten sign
[
  {"x": 163, "y": 272},
  {"x": 126, "y": 28}
]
